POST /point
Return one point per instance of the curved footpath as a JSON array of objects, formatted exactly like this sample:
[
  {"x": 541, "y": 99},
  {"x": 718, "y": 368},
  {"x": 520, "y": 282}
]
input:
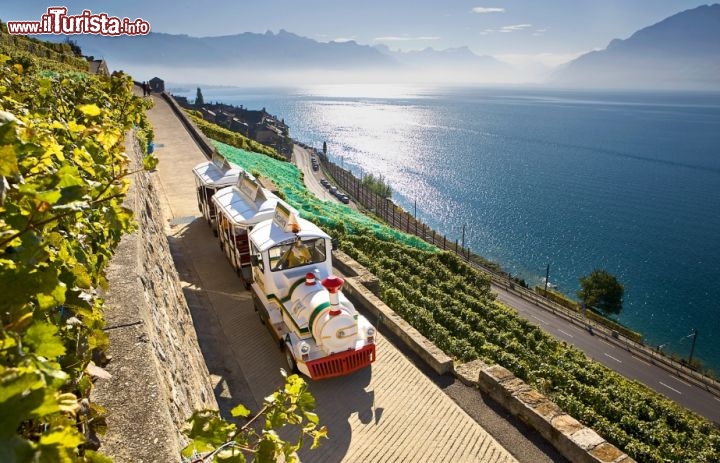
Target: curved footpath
[{"x": 390, "y": 412}]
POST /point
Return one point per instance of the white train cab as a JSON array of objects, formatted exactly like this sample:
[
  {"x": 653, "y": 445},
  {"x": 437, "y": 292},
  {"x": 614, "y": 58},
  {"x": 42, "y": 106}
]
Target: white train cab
[{"x": 301, "y": 302}]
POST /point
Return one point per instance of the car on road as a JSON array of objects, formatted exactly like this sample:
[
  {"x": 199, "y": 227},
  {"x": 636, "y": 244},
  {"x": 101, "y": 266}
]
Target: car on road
[
  {"x": 324, "y": 183},
  {"x": 345, "y": 199},
  {"x": 333, "y": 190}
]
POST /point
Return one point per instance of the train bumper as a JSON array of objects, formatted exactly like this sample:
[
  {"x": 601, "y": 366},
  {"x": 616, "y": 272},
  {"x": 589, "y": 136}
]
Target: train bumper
[{"x": 342, "y": 363}]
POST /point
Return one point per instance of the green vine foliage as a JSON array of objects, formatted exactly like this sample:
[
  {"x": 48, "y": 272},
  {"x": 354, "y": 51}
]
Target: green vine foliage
[
  {"x": 63, "y": 176},
  {"x": 214, "y": 439},
  {"x": 231, "y": 138}
]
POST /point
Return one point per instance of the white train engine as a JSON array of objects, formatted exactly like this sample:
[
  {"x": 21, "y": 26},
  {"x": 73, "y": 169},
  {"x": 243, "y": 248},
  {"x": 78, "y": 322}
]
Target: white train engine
[{"x": 301, "y": 302}]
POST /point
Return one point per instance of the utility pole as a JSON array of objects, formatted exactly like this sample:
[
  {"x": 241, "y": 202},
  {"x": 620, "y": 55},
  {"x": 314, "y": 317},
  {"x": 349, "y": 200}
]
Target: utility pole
[
  {"x": 692, "y": 349},
  {"x": 463, "y": 236},
  {"x": 547, "y": 276}
]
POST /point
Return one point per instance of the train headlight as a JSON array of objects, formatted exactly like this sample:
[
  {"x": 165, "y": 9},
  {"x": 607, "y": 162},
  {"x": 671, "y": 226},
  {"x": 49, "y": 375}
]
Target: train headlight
[{"x": 304, "y": 350}]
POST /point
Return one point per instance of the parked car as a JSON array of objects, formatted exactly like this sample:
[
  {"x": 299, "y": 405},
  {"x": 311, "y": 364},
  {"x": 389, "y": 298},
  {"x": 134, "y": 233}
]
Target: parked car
[
  {"x": 333, "y": 190},
  {"x": 324, "y": 183},
  {"x": 345, "y": 199}
]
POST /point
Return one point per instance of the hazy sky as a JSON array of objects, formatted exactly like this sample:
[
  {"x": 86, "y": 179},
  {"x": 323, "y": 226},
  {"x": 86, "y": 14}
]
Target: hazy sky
[{"x": 550, "y": 31}]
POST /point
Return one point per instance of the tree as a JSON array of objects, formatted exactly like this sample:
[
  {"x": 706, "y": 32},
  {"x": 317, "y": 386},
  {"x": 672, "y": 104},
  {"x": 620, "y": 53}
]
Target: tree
[
  {"x": 199, "y": 100},
  {"x": 377, "y": 185},
  {"x": 602, "y": 291},
  {"x": 77, "y": 51}
]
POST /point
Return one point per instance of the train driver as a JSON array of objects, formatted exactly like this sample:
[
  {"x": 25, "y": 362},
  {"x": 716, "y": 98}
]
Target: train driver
[{"x": 299, "y": 254}]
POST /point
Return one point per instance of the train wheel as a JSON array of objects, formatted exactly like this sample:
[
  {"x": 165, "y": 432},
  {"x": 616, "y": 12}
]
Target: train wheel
[{"x": 290, "y": 361}]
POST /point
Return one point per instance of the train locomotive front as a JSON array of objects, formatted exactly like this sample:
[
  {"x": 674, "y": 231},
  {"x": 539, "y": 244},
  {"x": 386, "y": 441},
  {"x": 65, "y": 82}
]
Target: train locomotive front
[{"x": 301, "y": 301}]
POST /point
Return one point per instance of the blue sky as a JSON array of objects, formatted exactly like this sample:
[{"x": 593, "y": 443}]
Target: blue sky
[{"x": 550, "y": 31}]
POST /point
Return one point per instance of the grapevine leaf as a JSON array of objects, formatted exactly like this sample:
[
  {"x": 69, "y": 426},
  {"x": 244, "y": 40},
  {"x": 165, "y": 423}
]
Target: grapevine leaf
[
  {"x": 21, "y": 391},
  {"x": 108, "y": 139},
  {"x": 59, "y": 445},
  {"x": 306, "y": 401},
  {"x": 42, "y": 337},
  {"x": 312, "y": 417},
  {"x": 8, "y": 155},
  {"x": 53, "y": 298},
  {"x": 266, "y": 451},
  {"x": 89, "y": 109},
  {"x": 150, "y": 162},
  {"x": 241, "y": 411},
  {"x": 317, "y": 435},
  {"x": 45, "y": 85}
]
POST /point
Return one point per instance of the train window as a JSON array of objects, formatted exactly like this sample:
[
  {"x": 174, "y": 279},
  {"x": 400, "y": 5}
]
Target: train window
[{"x": 297, "y": 253}]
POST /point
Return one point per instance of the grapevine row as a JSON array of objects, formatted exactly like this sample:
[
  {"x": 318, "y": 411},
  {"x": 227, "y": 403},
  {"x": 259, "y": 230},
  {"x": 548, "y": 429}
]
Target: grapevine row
[{"x": 63, "y": 177}]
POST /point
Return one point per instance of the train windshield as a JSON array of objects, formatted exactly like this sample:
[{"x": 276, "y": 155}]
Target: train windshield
[{"x": 297, "y": 253}]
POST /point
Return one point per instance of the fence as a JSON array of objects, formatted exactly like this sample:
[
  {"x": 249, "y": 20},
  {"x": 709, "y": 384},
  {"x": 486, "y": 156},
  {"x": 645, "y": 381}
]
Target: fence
[{"x": 391, "y": 213}]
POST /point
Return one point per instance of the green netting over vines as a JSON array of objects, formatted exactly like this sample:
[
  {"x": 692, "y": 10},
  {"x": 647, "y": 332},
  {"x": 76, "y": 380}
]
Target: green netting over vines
[{"x": 327, "y": 214}]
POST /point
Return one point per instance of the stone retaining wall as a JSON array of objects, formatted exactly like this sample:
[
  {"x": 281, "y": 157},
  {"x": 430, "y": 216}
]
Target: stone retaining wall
[{"x": 159, "y": 374}]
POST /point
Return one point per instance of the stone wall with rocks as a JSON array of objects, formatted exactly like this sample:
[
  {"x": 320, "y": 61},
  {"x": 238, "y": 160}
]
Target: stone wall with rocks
[{"x": 158, "y": 373}]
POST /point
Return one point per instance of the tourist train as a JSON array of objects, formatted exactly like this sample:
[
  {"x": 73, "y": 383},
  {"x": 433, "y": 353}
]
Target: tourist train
[{"x": 286, "y": 262}]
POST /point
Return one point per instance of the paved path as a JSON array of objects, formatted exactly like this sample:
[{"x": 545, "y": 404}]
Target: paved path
[{"x": 390, "y": 412}]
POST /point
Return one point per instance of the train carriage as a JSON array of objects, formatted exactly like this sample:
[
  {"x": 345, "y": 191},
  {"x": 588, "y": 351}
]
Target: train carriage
[
  {"x": 239, "y": 208},
  {"x": 210, "y": 177}
]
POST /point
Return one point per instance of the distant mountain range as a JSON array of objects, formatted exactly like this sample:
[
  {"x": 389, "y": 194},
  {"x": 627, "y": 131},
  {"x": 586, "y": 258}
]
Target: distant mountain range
[
  {"x": 283, "y": 50},
  {"x": 279, "y": 52},
  {"x": 680, "y": 52}
]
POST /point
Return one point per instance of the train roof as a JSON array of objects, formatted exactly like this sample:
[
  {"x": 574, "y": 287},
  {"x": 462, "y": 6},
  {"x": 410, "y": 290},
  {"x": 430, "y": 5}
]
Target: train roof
[
  {"x": 217, "y": 173},
  {"x": 243, "y": 206},
  {"x": 269, "y": 233}
]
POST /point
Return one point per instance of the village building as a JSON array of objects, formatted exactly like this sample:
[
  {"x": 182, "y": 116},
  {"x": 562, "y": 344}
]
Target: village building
[{"x": 157, "y": 85}]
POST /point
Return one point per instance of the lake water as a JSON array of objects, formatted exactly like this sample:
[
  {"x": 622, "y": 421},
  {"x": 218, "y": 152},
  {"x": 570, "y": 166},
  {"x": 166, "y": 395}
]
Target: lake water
[{"x": 626, "y": 182}]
